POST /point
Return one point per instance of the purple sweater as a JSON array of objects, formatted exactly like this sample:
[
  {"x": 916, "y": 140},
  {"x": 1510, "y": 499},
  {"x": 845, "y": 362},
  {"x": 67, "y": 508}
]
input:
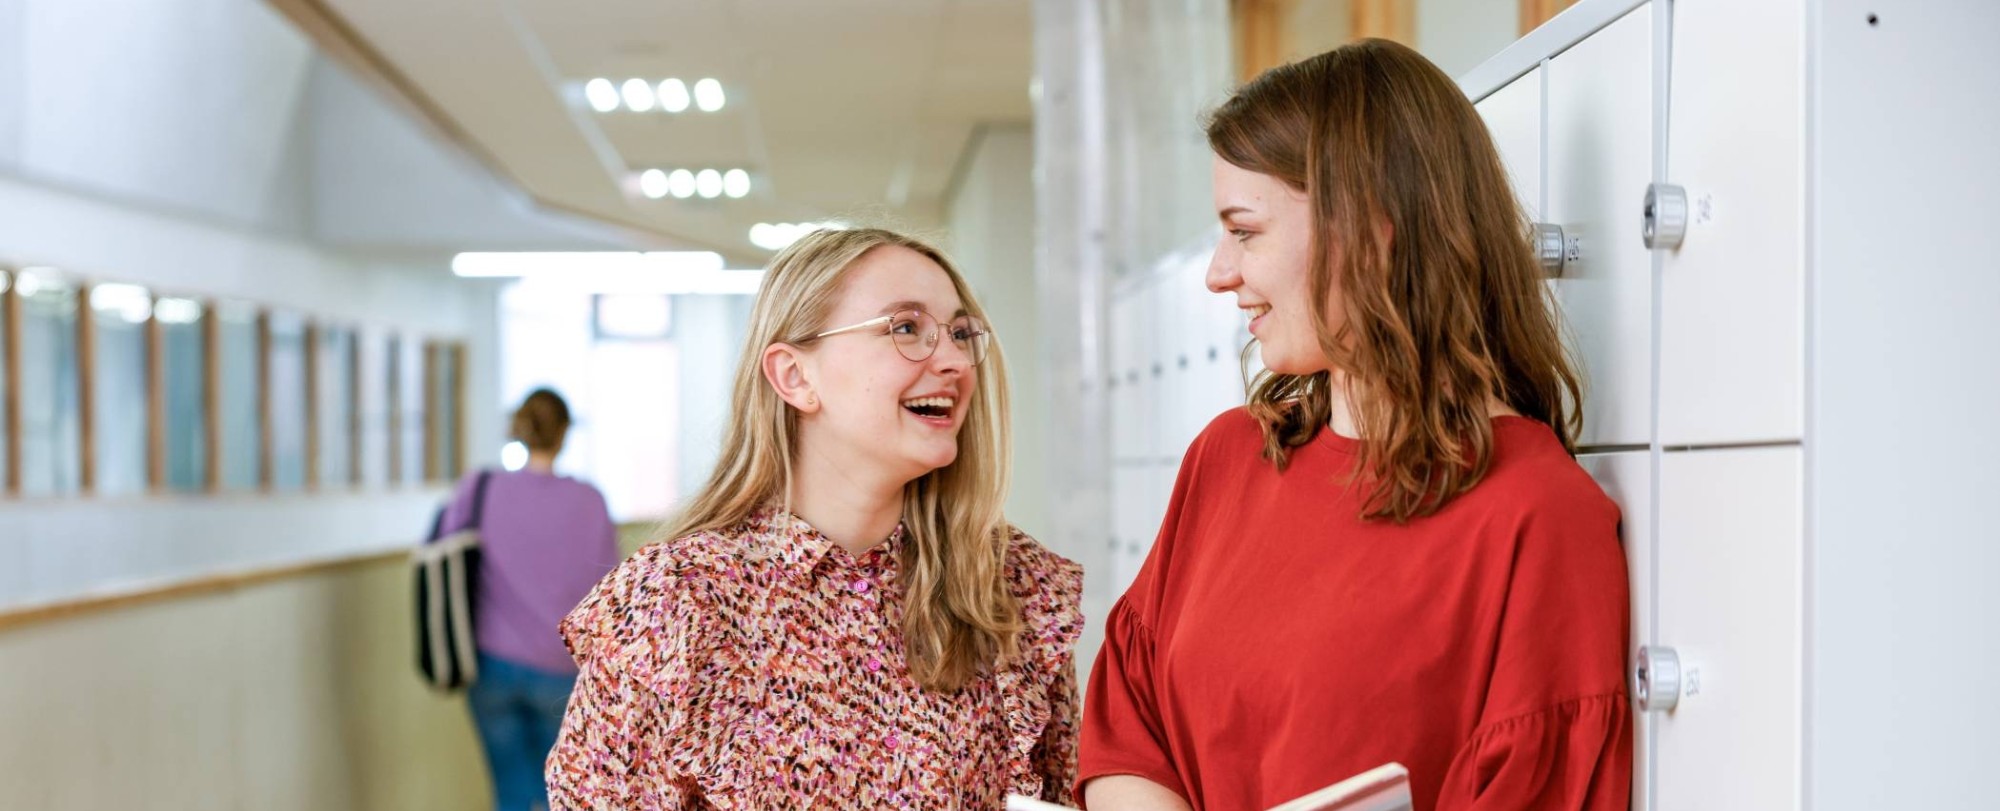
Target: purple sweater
[{"x": 545, "y": 540}]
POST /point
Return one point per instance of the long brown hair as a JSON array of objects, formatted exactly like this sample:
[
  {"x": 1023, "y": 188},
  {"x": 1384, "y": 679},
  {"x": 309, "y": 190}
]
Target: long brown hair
[
  {"x": 1443, "y": 310},
  {"x": 960, "y": 615}
]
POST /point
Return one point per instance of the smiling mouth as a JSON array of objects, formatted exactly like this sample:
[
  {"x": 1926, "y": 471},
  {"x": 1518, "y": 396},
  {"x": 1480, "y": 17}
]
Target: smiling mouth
[
  {"x": 1258, "y": 311},
  {"x": 936, "y": 408}
]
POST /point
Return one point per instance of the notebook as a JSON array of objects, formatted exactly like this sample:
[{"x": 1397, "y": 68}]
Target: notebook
[{"x": 1383, "y": 788}]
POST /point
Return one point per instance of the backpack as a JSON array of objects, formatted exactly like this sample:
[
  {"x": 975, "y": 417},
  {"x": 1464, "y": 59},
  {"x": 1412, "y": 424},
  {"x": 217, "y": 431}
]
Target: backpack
[{"x": 444, "y": 573}]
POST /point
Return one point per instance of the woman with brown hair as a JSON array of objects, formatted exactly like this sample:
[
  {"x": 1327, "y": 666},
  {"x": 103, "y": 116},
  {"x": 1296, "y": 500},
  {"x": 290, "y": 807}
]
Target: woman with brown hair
[
  {"x": 842, "y": 618},
  {"x": 1390, "y": 554}
]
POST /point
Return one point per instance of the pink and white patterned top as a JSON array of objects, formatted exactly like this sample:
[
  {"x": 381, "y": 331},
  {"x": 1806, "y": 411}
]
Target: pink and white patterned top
[{"x": 763, "y": 667}]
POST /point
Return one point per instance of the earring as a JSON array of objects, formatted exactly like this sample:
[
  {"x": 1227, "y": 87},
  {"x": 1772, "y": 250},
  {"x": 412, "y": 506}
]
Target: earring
[{"x": 812, "y": 399}]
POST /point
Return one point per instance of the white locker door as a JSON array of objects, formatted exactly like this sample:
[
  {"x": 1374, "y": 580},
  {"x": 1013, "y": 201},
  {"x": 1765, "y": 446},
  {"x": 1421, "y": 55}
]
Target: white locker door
[
  {"x": 1600, "y": 140},
  {"x": 1128, "y": 417},
  {"x": 1162, "y": 311},
  {"x": 1729, "y": 605},
  {"x": 1731, "y": 334},
  {"x": 1627, "y": 477},
  {"x": 1513, "y": 116}
]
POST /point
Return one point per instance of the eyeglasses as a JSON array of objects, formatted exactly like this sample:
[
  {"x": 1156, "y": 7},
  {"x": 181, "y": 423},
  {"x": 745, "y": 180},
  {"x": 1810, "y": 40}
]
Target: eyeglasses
[{"x": 915, "y": 334}]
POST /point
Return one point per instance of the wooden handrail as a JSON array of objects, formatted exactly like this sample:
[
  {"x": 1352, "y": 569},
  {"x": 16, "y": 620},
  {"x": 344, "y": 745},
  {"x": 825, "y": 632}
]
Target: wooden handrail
[{"x": 198, "y": 585}]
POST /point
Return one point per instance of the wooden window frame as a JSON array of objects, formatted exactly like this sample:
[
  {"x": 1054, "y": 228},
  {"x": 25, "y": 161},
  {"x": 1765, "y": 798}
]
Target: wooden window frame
[
  {"x": 10, "y": 366},
  {"x": 312, "y": 405},
  {"x": 156, "y": 400},
  {"x": 86, "y": 390}
]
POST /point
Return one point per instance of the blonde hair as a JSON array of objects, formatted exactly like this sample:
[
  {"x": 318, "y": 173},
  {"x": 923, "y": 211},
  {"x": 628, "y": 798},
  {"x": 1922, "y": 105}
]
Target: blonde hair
[{"x": 960, "y": 615}]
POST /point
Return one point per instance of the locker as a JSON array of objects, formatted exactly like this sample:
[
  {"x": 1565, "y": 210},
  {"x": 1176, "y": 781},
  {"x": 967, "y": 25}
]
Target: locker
[
  {"x": 1731, "y": 295},
  {"x": 1729, "y": 607},
  {"x": 1599, "y": 152},
  {"x": 1161, "y": 312},
  {"x": 1130, "y": 530},
  {"x": 1128, "y": 420},
  {"x": 1627, "y": 477},
  {"x": 1513, "y": 116}
]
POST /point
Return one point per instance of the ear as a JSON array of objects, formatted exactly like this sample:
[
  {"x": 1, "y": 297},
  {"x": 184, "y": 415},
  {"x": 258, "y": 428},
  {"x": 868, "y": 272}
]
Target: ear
[{"x": 786, "y": 369}]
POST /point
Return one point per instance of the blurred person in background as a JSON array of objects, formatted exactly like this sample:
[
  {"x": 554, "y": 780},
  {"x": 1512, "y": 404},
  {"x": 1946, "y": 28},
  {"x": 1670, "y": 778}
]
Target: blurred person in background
[
  {"x": 841, "y": 618},
  {"x": 545, "y": 540}
]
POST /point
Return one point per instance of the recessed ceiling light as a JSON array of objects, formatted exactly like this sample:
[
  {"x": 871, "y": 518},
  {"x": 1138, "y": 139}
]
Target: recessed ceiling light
[
  {"x": 673, "y": 95},
  {"x": 681, "y": 183},
  {"x": 736, "y": 183},
  {"x": 602, "y": 94},
  {"x": 708, "y": 183},
  {"x": 772, "y": 237},
  {"x": 708, "y": 95},
  {"x": 638, "y": 95},
  {"x": 653, "y": 183}
]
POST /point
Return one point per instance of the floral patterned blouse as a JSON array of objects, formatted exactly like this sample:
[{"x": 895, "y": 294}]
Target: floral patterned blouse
[{"x": 762, "y": 667}]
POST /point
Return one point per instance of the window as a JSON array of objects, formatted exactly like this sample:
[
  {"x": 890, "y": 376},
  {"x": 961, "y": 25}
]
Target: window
[
  {"x": 9, "y": 462},
  {"x": 289, "y": 414},
  {"x": 410, "y": 411},
  {"x": 50, "y": 395},
  {"x": 184, "y": 359},
  {"x": 119, "y": 409},
  {"x": 445, "y": 406},
  {"x": 239, "y": 417},
  {"x": 336, "y": 368}
]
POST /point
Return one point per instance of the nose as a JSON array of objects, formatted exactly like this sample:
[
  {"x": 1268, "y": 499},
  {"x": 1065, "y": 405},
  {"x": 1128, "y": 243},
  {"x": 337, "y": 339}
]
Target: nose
[
  {"x": 949, "y": 357},
  {"x": 1222, "y": 276}
]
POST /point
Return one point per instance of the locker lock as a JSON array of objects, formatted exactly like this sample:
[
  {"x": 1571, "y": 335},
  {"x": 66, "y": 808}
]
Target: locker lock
[
  {"x": 1666, "y": 216},
  {"x": 1549, "y": 248},
  {"x": 1656, "y": 679}
]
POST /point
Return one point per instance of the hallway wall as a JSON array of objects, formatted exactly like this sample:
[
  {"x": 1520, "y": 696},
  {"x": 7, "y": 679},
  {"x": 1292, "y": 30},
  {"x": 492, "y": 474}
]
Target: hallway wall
[{"x": 296, "y": 694}]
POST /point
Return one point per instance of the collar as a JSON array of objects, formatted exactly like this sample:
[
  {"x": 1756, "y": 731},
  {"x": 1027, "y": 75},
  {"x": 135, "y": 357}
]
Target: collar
[{"x": 800, "y": 547}]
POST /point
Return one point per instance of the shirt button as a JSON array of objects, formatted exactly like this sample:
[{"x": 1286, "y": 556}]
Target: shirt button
[
  {"x": 874, "y": 664},
  {"x": 892, "y": 742},
  {"x": 861, "y": 586}
]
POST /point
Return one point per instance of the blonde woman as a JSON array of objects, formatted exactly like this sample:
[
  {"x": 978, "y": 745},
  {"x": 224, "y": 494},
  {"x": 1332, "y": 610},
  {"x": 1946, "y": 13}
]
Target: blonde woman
[{"x": 842, "y": 618}]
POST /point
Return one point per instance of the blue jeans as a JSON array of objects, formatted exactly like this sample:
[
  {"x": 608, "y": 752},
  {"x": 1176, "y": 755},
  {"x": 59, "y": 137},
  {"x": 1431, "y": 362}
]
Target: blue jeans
[{"x": 518, "y": 710}]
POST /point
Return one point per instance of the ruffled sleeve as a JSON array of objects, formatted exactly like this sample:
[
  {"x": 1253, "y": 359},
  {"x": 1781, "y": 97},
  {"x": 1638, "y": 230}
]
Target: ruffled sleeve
[
  {"x": 1122, "y": 729},
  {"x": 1576, "y": 755},
  {"x": 1556, "y": 731},
  {"x": 1039, "y": 694},
  {"x": 636, "y": 640}
]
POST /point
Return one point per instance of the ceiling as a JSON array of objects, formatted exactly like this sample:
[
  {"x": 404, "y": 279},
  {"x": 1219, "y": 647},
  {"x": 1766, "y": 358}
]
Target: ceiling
[{"x": 856, "y": 109}]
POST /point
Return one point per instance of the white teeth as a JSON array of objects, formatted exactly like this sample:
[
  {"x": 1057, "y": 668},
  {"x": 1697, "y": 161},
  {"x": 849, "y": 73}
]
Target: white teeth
[
  {"x": 937, "y": 402},
  {"x": 1258, "y": 311}
]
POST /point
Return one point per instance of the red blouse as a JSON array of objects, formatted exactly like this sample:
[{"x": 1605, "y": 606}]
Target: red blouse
[{"x": 1274, "y": 643}]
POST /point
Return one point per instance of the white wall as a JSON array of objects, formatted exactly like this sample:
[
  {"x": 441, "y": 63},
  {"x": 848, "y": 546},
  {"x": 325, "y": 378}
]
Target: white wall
[
  {"x": 1901, "y": 376},
  {"x": 298, "y": 694},
  {"x": 709, "y": 331},
  {"x": 991, "y": 217}
]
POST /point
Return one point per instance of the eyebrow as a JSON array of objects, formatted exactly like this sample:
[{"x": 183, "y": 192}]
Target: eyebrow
[
  {"x": 1231, "y": 212},
  {"x": 897, "y": 306}
]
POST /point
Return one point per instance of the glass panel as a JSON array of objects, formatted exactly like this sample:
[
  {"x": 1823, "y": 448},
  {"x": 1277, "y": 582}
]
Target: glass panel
[
  {"x": 51, "y": 418},
  {"x": 375, "y": 359},
  {"x": 410, "y": 390},
  {"x": 186, "y": 361},
  {"x": 6, "y": 284},
  {"x": 336, "y": 372},
  {"x": 288, "y": 401},
  {"x": 118, "y": 396},
  {"x": 242, "y": 425},
  {"x": 445, "y": 398}
]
